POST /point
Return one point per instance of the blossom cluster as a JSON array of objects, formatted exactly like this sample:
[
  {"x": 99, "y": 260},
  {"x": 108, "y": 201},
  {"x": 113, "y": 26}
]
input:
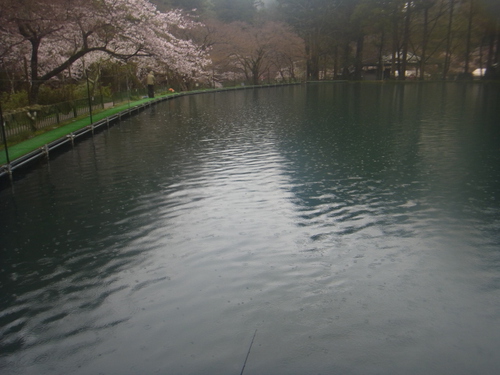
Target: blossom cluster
[{"x": 61, "y": 37}]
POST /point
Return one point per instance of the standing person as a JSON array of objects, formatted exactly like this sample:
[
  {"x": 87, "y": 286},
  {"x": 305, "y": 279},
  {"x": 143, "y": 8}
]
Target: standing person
[{"x": 151, "y": 83}]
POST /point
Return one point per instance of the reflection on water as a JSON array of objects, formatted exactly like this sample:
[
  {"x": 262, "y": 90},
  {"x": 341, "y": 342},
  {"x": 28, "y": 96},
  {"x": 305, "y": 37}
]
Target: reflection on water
[{"x": 356, "y": 227}]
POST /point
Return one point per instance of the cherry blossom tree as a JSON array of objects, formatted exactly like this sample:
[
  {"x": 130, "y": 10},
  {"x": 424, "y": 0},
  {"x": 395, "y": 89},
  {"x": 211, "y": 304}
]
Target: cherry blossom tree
[
  {"x": 52, "y": 38},
  {"x": 256, "y": 51}
]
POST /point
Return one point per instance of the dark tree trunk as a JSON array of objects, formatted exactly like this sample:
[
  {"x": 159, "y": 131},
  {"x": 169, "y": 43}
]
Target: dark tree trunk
[
  {"x": 380, "y": 70},
  {"x": 425, "y": 41},
  {"x": 497, "y": 54},
  {"x": 312, "y": 53},
  {"x": 491, "y": 72},
  {"x": 358, "y": 69},
  {"x": 406, "y": 40},
  {"x": 468, "y": 41},
  {"x": 34, "y": 81},
  {"x": 395, "y": 46},
  {"x": 345, "y": 69},
  {"x": 447, "y": 58},
  {"x": 335, "y": 61}
]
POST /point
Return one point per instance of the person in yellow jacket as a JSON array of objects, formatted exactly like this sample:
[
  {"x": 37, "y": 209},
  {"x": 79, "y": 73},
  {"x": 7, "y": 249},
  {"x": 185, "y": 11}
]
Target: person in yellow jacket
[{"x": 151, "y": 84}]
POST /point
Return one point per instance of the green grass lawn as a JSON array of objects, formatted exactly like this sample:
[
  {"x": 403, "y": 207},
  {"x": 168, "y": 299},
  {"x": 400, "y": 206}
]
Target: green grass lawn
[{"x": 25, "y": 147}]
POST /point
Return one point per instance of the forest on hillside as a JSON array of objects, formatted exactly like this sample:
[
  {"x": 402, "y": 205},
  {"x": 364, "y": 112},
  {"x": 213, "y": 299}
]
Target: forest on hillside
[{"x": 48, "y": 47}]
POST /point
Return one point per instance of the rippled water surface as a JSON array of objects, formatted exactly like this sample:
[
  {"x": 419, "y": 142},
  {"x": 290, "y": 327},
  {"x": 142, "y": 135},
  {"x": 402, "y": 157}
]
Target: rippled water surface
[{"x": 355, "y": 227}]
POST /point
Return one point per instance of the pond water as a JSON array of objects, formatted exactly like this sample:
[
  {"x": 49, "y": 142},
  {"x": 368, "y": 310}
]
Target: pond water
[{"x": 353, "y": 228}]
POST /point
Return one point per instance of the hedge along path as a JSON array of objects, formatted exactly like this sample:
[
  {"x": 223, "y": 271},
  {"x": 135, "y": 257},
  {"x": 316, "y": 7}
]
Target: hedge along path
[{"x": 25, "y": 147}]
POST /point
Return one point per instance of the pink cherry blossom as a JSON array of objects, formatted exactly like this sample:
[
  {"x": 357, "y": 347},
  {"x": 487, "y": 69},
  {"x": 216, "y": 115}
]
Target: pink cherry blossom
[{"x": 46, "y": 39}]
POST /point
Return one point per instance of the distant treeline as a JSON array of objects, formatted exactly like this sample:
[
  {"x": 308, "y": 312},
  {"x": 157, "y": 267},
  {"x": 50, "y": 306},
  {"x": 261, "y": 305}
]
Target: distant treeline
[{"x": 60, "y": 44}]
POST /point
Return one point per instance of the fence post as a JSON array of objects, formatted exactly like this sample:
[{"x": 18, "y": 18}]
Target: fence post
[
  {"x": 4, "y": 136},
  {"x": 88, "y": 94}
]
